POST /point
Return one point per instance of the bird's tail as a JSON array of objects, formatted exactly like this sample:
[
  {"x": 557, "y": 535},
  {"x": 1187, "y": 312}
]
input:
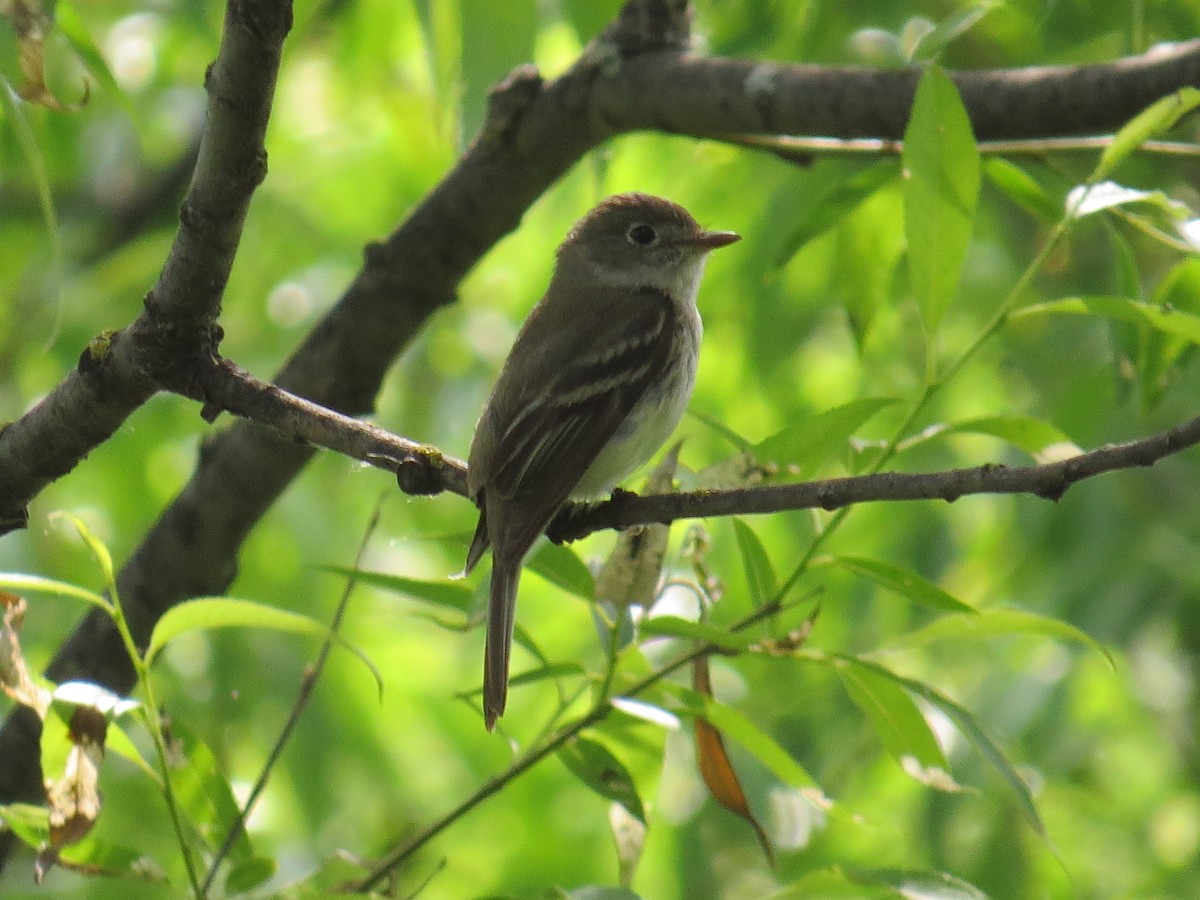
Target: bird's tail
[{"x": 501, "y": 616}]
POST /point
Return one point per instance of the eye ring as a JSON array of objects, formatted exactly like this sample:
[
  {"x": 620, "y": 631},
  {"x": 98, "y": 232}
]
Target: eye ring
[{"x": 641, "y": 235}]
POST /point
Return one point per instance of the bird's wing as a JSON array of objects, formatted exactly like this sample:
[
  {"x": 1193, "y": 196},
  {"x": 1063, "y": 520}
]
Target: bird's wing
[{"x": 554, "y": 431}]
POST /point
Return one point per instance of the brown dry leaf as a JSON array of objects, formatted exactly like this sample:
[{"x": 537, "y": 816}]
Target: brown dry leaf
[
  {"x": 31, "y": 23},
  {"x": 716, "y": 768},
  {"x": 15, "y": 679},
  {"x": 74, "y": 799}
]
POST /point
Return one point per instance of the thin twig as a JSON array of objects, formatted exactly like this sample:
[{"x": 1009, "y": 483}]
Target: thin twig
[
  {"x": 307, "y": 684},
  {"x": 598, "y": 713}
]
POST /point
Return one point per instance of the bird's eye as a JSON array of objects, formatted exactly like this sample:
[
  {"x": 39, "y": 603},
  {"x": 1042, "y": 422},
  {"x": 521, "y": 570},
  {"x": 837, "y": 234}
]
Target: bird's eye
[{"x": 641, "y": 235}]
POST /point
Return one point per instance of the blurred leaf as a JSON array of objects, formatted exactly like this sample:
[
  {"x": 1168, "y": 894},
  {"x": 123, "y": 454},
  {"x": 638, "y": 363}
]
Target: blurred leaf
[
  {"x": 594, "y": 765},
  {"x": 941, "y": 189},
  {"x": 1039, "y": 439},
  {"x": 902, "y": 581},
  {"x": 716, "y": 768},
  {"x": 933, "y": 42},
  {"x": 1088, "y": 199},
  {"x": 629, "y": 836},
  {"x": 815, "y": 439},
  {"x": 843, "y": 198},
  {"x": 673, "y": 626},
  {"x": 722, "y": 429},
  {"x": 1166, "y": 320},
  {"x": 209, "y": 613},
  {"x": 974, "y": 732},
  {"x": 562, "y": 567},
  {"x": 589, "y": 17},
  {"x": 1020, "y": 187},
  {"x": 733, "y": 724},
  {"x": 30, "y": 823},
  {"x": 1000, "y": 623},
  {"x": 894, "y": 716},
  {"x": 1155, "y": 119},
  {"x": 72, "y": 27},
  {"x": 917, "y": 884},
  {"x": 438, "y": 593},
  {"x": 496, "y": 38},
  {"x": 98, "y": 550},
  {"x": 249, "y": 873},
  {"x": 760, "y": 576},
  {"x": 205, "y": 795}
]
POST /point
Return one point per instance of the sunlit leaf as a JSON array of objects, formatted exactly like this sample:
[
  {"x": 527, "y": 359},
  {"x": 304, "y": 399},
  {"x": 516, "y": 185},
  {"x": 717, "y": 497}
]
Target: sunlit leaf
[
  {"x": 1088, "y": 199},
  {"x": 941, "y": 189}
]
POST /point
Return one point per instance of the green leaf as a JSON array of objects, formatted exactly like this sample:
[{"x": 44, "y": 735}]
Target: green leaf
[
  {"x": 447, "y": 595},
  {"x": 204, "y": 793},
  {"x": 249, "y": 873},
  {"x": 811, "y": 440},
  {"x": 1039, "y": 439},
  {"x": 1002, "y": 623},
  {"x": 562, "y": 567},
  {"x": 96, "y": 546},
  {"x": 68, "y": 22},
  {"x": 1020, "y": 187},
  {"x": 722, "y": 429},
  {"x": 735, "y": 726},
  {"x": 760, "y": 576},
  {"x": 1155, "y": 119},
  {"x": 496, "y": 38},
  {"x": 902, "y": 581},
  {"x": 894, "y": 716},
  {"x": 208, "y": 613},
  {"x": 594, "y": 764},
  {"x": 1164, "y": 319},
  {"x": 831, "y": 209},
  {"x": 673, "y": 626},
  {"x": 976, "y": 734},
  {"x": 19, "y": 582},
  {"x": 30, "y": 823},
  {"x": 952, "y": 27},
  {"x": 941, "y": 189}
]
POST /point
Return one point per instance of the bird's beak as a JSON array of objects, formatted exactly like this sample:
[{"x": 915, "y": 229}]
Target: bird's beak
[{"x": 710, "y": 240}]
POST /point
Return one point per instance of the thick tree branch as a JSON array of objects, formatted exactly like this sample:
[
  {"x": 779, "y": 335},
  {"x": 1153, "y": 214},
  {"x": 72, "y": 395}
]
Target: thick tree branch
[{"x": 117, "y": 373}]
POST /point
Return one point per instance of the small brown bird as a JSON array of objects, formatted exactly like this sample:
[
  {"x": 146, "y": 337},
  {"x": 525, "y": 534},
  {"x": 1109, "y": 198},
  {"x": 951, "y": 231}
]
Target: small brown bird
[{"x": 596, "y": 381}]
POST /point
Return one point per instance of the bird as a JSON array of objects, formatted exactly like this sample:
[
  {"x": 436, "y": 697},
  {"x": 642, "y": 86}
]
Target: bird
[{"x": 596, "y": 380}]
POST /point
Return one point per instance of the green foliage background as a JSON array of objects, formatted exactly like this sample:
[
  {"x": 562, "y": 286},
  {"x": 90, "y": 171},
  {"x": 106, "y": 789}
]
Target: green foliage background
[{"x": 375, "y": 100}]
